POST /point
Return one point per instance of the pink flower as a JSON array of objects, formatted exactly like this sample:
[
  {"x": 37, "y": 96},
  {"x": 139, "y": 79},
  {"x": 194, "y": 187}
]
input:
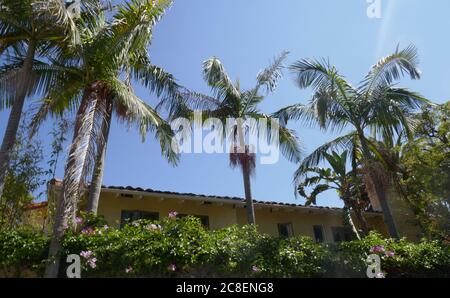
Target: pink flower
[
  {"x": 87, "y": 231},
  {"x": 128, "y": 269},
  {"x": 78, "y": 220},
  {"x": 173, "y": 214},
  {"x": 255, "y": 269},
  {"x": 172, "y": 267},
  {"x": 92, "y": 262},
  {"x": 86, "y": 254},
  {"x": 377, "y": 249},
  {"x": 390, "y": 254}
]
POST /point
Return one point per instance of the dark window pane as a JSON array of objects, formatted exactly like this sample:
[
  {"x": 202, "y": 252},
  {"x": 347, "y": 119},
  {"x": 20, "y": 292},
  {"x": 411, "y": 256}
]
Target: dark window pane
[
  {"x": 285, "y": 230},
  {"x": 342, "y": 234},
  {"x": 318, "y": 234}
]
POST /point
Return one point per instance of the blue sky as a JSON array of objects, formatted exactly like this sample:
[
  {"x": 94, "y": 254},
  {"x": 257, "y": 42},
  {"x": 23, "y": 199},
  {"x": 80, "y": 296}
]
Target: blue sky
[{"x": 246, "y": 35}]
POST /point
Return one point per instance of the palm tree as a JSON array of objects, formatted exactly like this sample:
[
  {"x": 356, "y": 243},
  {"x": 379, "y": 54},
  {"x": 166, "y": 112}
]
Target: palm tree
[
  {"x": 154, "y": 78},
  {"x": 376, "y": 105},
  {"x": 229, "y": 101},
  {"x": 346, "y": 183},
  {"x": 28, "y": 28},
  {"x": 96, "y": 77}
]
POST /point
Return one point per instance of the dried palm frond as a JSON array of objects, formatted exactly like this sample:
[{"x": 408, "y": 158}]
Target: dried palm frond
[{"x": 245, "y": 159}]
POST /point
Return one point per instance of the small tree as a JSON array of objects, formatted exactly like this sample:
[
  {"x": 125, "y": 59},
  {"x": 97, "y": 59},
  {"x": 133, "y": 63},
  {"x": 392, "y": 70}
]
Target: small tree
[
  {"x": 425, "y": 173},
  {"x": 347, "y": 183},
  {"x": 24, "y": 177}
]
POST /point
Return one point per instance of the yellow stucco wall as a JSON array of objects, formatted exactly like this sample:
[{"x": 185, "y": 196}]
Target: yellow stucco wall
[
  {"x": 110, "y": 206},
  {"x": 303, "y": 221},
  {"x": 225, "y": 214},
  {"x": 404, "y": 217}
]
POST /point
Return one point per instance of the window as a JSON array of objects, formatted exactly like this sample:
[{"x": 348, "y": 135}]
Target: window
[
  {"x": 285, "y": 230},
  {"x": 318, "y": 234},
  {"x": 128, "y": 216},
  {"x": 342, "y": 234},
  {"x": 204, "y": 219}
]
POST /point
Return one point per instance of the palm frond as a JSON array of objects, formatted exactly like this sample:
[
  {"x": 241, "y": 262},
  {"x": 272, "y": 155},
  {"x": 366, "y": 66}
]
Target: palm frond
[
  {"x": 346, "y": 142},
  {"x": 288, "y": 141},
  {"x": 320, "y": 75},
  {"x": 81, "y": 151},
  {"x": 156, "y": 79},
  {"x": 216, "y": 77},
  {"x": 136, "y": 112},
  {"x": 244, "y": 159},
  {"x": 132, "y": 27},
  {"x": 297, "y": 112},
  {"x": 390, "y": 69},
  {"x": 270, "y": 76},
  {"x": 311, "y": 199},
  {"x": 290, "y": 144}
]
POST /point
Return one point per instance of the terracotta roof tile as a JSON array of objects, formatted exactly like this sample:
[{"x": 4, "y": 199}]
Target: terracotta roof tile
[{"x": 150, "y": 190}]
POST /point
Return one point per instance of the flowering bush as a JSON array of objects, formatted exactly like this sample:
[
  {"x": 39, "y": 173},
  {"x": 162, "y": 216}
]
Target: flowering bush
[
  {"x": 398, "y": 258},
  {"x": 183, "y": 248}
]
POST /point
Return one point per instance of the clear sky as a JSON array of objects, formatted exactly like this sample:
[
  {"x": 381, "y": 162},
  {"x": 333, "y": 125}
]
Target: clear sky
[{"x": 246, "y": 35}]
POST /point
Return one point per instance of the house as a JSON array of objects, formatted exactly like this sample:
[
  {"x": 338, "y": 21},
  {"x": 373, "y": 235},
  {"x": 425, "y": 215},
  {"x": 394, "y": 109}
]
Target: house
[{"x": 324, "y": 224}]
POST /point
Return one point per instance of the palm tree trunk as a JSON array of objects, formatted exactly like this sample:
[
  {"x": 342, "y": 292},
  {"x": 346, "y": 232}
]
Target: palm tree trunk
[
  {"x": 361, "y": 221},
  {"x": 97, "y": 176},
  {"x": 16, "y": 113},
  {"x": 348, "y": 221},
  {"x": 246, "y": 175},
  {"x": 379, "y": 191},
  {"x": 63, "y": 203},
  {"x": 248, "y": 195}
]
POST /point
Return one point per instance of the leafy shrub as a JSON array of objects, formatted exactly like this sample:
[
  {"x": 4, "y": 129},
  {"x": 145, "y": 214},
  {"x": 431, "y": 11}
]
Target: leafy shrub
[
  {"x": 141, "y": 248},
  {"x": 183, "y": 248},
  {"x": 22, "y": 250},
  {"x": 398, "y": 258},
  {"x": 297, "y": 257}
]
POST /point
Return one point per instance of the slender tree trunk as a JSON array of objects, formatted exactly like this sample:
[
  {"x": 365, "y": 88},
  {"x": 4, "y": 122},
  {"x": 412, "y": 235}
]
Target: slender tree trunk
[
  {"x": 362, "y": 221},
  {"x": 246, "y": 175},
  {"x": 63, "y": 203},
  {"x": 16, "y": 113},
  {"x": 379, "y": 191},
  {"x": 348, "y": 219},
  {"x": 248, "y": 195},
  {"x": 97, "y": 177}
]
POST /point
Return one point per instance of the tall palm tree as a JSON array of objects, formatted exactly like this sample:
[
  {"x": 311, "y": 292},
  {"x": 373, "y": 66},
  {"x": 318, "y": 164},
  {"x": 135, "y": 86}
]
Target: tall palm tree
[
  {"x": 376, "y": 105},
  {"x": 229, "y": 101},
  {"x": 158, "y": 81},
  {"x": 95, "y": 79},
  {"x": 28, "y": 29},
  {"x": 346, "y": 183}
]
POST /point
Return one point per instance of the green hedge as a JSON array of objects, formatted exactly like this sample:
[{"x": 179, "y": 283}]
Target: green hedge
[{"x": 183, "y": 248}]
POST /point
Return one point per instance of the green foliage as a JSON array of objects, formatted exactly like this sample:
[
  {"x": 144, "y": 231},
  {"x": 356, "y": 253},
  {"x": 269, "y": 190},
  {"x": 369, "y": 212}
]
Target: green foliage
[
  {"x": 92, "y": 220},
  {"x": 183, "y": 248},
  {"x": 22, "y": 249},
  {"x": 23, "y": 178},
  {"x": 243, "y": 251},
  {"x": 426, "y": 171},
  {"x": 59, "y": 136},
  {"x": 148, "y": 247},
  {"x": 424, "y": 259}
]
